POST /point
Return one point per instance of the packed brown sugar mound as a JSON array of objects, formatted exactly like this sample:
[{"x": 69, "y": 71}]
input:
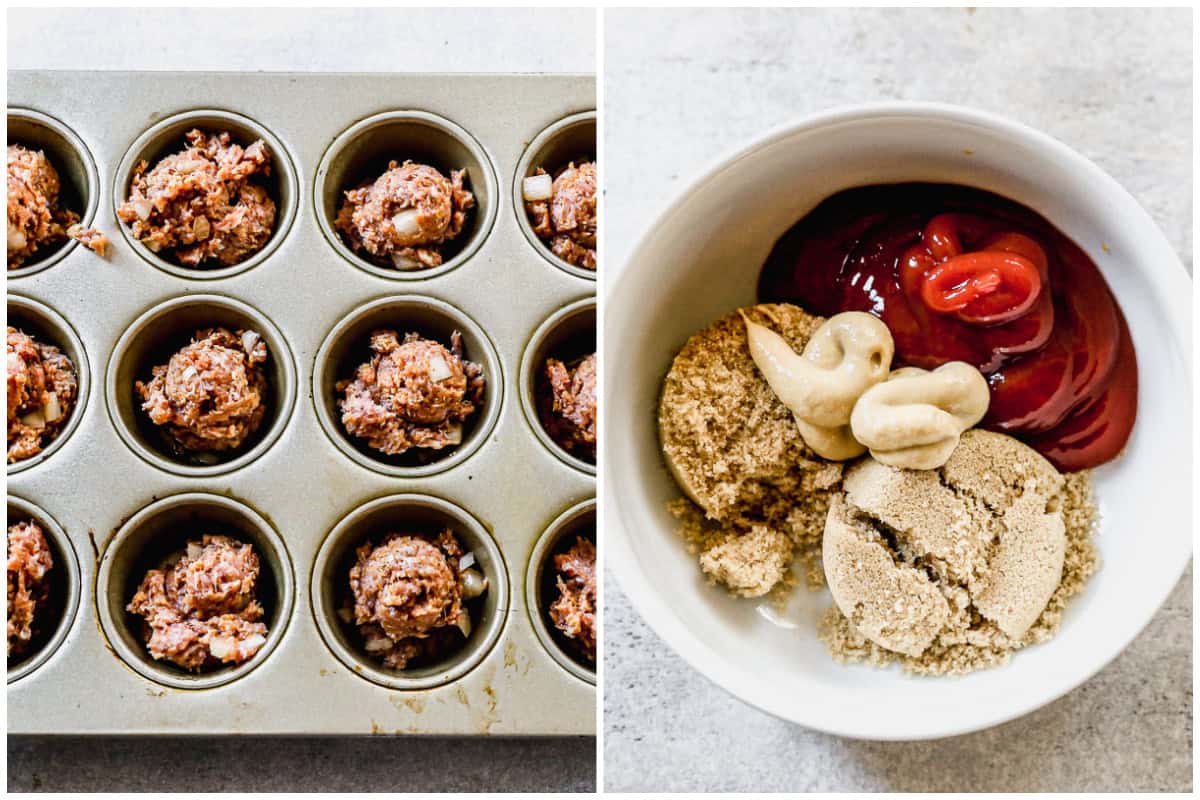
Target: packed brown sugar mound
[
  {"x": 758, "y": 495},
  {"x": 954, "y": 569}
]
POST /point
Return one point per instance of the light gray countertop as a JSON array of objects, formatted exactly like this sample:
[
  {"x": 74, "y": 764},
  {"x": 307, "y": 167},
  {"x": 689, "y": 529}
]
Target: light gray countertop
[
  {"x": 316, "y": 40},
  {"x": 681, "y": 88}
]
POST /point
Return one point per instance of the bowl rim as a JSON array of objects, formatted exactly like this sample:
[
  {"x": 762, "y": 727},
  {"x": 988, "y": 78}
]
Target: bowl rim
[{"x": 654, "y": 611}]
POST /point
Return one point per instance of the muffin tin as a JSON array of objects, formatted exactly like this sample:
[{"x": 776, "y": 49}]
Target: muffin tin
[{"x": 302, "y": 491}]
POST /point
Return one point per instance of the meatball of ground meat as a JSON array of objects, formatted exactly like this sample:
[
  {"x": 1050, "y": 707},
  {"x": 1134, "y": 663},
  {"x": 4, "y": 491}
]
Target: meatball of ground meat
[
  {"x": 567, "y": 220},
  {"x": 205, "y": 205},
  {"x": 42, "y": 389},
  {"x": 414, "y": 393},
  {"x": 568, "y": 405},
  {"x": 35, "y": 219},
  {"x": 203, "y": 610},
  {"x": 403, "y": 217},
  {"x": 29, "y": 563},
  {"x": 407, "y": 595},
  {"x": 211, "y": 395},
  {"x": 574, "y": 611}
]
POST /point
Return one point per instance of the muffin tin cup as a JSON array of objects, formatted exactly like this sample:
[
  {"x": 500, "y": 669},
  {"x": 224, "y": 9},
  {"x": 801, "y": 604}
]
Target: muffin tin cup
[
  {"x": 330, "y": 582},
  {"x": 346, "y": 347},
  {"x": 167, "y": 137},
  {"x": 578, "y": 520},
  {"x": 64, "y": 588},
  {"x": 47, "y": 326},
  {"x": 572, "y": 138},
  {"x": 361, "y": 153},
  {"x": 153, "y": 338},
  {"x": 158, "y": 534},
  {"x": 78, "y": 178},
  {"x": 567, "y": 334}
]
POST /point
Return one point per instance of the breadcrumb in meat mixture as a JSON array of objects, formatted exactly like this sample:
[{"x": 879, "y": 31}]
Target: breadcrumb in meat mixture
[
  {"x": 211, "y": 395},
  {"x": 42, "y": 388},
  {"x": 202, "y": 611},
  {"x": 414, "y": 393},
  {"x": 574, "y": 611},
  {"x": 35, "y": 218},
  {"x": 567, "y": 403},
  {"x": 567, "y": 221},
  {"x": 407, "y": 597},
  {"x": 29, "y": 563},
  {"x": 203, "y": 206},
  {"x": 402, "y": 218}
]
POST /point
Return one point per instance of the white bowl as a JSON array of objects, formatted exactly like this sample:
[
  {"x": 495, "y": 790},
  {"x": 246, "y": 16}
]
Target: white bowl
[{"x": 701, "y": 259}]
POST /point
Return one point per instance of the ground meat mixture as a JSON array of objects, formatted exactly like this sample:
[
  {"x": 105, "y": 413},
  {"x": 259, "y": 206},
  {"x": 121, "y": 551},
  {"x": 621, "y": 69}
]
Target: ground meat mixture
[
  {"x": 567, "y": 405},
  {"x": 407, "y": 596},
  {"x": 91, "y": 238},
  {"x": 29, "y": 563},
  {"x": 211, "y": 395},
  {"x": 204, "y": 206},
  {"x": 574, "y": 612},
  {"x": 567, "y": 220},
  {"x": 414, "y": 393},
  {"x": 42, "y": 389},
  {"x": 402, "y": 218},
  {"x": 202, "y": 610},
  {"x": 35, "y": 219}
]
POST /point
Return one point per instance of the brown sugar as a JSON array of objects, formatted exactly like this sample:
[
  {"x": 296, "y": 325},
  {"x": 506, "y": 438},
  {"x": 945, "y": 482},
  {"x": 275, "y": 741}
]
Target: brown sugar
[{"x": 736, "y": 451}]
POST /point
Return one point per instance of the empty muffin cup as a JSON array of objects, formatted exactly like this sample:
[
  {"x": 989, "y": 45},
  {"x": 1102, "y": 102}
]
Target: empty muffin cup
[
  {"x": 568, "y": 335},
  {"x": 362, "y": 153},
  {"x": 167, "y": 137},
  {"x": 371, "y": 522},
  {"x": 158, "y": 334},
  {"x": 79, "y": 181},
  {"x": 48, "y": 327},
  {"x": 158, "y": 536},
  {"x": 541, "y": 588},
  {"x": 348, "y": 345},
  {"x": 53, "y": 622},
  {"x": 572, "y": 139}
]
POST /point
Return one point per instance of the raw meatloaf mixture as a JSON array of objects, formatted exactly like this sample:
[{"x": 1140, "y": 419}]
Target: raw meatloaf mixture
[
  {"x": 206, "y": 205},
  {"x": 567, "y": 221},
  {"x": 42, "y": 387},
  {"x": 407, "y": 597},
  {"x": 202, "y": 610},
  {"x": 574, "y": 612},
  {"x": 567, "y": 403},
  {"x": 29, "y": 562},
  {"x": 414, "y": 393},
  {"x": 402, "y": 218},
  {"x": 35, "y": 219},
  {"x": 211, "y": 394}
]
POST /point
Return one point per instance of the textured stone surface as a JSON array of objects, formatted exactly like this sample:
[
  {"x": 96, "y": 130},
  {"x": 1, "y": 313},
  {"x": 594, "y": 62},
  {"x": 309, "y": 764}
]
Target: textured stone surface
[
  {"x": 492, "y": 40},
  {"x": 1115, "y": 85}
]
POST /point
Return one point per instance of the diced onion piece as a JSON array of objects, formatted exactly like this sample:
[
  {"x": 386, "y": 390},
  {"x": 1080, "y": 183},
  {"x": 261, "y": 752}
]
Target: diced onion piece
[
  {"x": 52, "y": 409},
  {"x": 201, "y": 228},
  {"x": 251, "y": 645},
  {"x": 454, "y": 434},
  {"x": 464, "y": 624},
  {"x": 193, "y": 550},
  {"x": 221, "y": 647},
  {"x": 407, "y": 223},
  {"x": 153, "y": 245},
  {"x": 403, "y": 262},
  {"x": 141, "y": 207},
  {"x": 378, "y": 645},
  {"x": 189, "y": 372},
  {"x": 537, "y": 187},
  {"x": 75, "y": 230},
  {"x": 250, "y": 340},
  {"x": 474, "y": 583},
  {"x": 16, "y": 238},
  {"x": 439, "y": 370},
  {"x": 34, "y": 419},
  {"x": 466, "y": 562},
  {"x": 345, "y": 615}
]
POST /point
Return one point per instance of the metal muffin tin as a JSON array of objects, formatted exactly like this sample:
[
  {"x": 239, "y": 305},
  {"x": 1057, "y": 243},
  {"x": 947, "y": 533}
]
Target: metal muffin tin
[{"x": 301, "y": 490}]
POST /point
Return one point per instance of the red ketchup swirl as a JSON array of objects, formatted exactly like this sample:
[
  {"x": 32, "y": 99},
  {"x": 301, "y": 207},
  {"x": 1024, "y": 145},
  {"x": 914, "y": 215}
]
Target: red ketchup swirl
[{"x": 960, "y": 274}]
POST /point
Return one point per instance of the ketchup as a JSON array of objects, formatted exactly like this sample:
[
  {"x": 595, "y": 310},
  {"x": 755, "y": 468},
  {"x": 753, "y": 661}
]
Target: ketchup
[{"x": 960, "y": 274}]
